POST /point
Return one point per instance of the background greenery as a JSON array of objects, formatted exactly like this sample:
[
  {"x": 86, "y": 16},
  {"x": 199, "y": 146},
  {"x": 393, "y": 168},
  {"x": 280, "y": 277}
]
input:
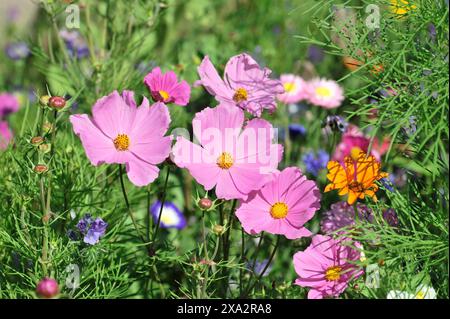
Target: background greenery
[{"x": 126, "y": 39}]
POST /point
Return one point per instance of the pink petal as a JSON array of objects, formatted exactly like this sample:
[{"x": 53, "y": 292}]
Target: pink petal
[
  {"x": 112, "y": 115},
  {"x": 212, "y": 82},
  {"x": 99, "y": 148},
  {"x": 141, "y": 173},
  {"x": 181, "y": 93},
  {"x": 200, "y": 165}
]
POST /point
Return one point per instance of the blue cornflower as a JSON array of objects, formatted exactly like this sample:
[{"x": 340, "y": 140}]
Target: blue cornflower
[
  {"x": 315, "y": 162},
  {"x": 17, "y": 50},
  {"x": 296, "y": 130}
]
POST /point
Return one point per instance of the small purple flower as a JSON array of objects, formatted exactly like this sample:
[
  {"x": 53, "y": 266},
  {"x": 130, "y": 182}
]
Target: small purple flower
[
  {"x": 97, "y": 230},
  {"x": 315, "y": 54},
  {"x": 390, "y": 216},
  {"x": 432, "y": 31},
  {"x": 72, "y": 235},
  {"x": 91, "y": 229},
  {"x": 296, "y": 130},
  {"x": 75, "y": 44},
  {"x": 84, "y": 223},
  {"x": 259, "y": 266},
  {"x": 342, "y": 214},
  {"x": 315, "y": 162},
  {"x": 171, "y": 216},
  {"x": 17, "y": 50}
]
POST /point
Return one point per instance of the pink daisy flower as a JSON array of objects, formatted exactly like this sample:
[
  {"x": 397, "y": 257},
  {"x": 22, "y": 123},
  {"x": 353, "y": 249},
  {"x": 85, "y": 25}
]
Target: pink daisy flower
[
  {"x": 233, "y": 158},
  {"x": 282, "y": 206},
  {"x": 122, "y": 133},
  {"x": 165, "y": 88},
  {"x": 325, "y": 93},
  {"x": 294, "y": 89},
  {"x": 5, "y": 135},
  {"x": 245, "y": 84},
  {"x": 353, "y": 141},
  {"x": 327, "y": 266},
  {"x": 8, "y": 104}
]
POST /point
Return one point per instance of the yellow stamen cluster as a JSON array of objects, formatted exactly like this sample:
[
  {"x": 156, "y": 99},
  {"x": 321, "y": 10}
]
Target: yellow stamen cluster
[
  {"x": 323, "y": 91},
  {"x": 333, "y": 273},
  {"x": 122, "y": 142},
  {"x": 240, "y": 95},
  {"x": 279, "y": 210},
  {"x": 225, "y": 160}
]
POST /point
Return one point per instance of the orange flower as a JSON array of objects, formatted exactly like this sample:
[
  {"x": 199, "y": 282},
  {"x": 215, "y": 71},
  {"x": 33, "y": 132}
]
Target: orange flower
[{"x": 356, "y": 178}]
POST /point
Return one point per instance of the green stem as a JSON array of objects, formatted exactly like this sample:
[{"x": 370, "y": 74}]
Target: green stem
[
  {"x": 264, "y": 270},
  {"x": 163, "y": 199},
  {"x": 130, "y": 213}
]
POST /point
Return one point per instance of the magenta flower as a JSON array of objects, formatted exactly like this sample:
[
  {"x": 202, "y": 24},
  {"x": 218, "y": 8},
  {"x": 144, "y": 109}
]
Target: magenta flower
[
  {"x": 282, "y": 206},
  {"x": 165, "y": 88},
  {"x": 5, "y": 135},
  {"x": 122, "y": 133},
  {"x": 245, "y": 84},
  {"x": 234, "y": 159},
  {"x": 294, "y": 89},
  {"x": 353, "y": 141},
  {"x": 8, "y": 104},
  {"x": 327, "y": 266}
]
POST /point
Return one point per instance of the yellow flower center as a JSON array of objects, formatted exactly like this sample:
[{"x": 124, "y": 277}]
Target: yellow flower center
[
  {"x": 240, "y": 95},
  {"x": 164, "y": 95},
  {"x": 122, "y": 142},
  {"x": 225, "y": 160},
  {"x": 289, "y": 86},
  {"x": 354, "y": 153},
  {"x": 323, "y": 91},
  {"x": 279, "y": 210},
  {"x": 420, "y": 295},
  {"x": 333, "y": 273}
]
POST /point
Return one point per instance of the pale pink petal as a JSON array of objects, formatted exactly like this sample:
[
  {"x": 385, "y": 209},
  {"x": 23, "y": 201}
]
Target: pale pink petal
[
  {"x": 112, "y": 115},
  {"x": 99, "y": 148},
  {"x": 140, "y": 173},
  {"x": 212, "y": 82}
]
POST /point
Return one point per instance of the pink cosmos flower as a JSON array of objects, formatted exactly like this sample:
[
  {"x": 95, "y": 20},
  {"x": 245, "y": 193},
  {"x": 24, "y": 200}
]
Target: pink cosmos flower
[
  {"x": 325, "y": 93},
  {"x": 327, "y": 265},
  {"x": 234, "y": 158},
  {"x": 353, "y": 141},
  {"x": 165, "y": 87},
  {"x": 294, "y": 89},
  {"x": 122, "y": 133},
  {"x": 8, "y": 104},
  {"x": 245, "y": 84},
  {"x": 5, "y": 135},
  {"x": 282, "y": 206}
]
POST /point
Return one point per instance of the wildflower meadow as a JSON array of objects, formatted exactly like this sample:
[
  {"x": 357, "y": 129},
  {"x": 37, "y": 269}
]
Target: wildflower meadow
[{"x": 226, "y": 149}]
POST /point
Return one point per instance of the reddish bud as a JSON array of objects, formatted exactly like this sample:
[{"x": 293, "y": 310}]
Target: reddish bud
[
  {"x": 40, "y": 168},
  {"x": 205, "y": 203},
  {"x": 57, "y": 102},
  {"x": 47, "y": 288},
  {"x": 37, "y": 140}
]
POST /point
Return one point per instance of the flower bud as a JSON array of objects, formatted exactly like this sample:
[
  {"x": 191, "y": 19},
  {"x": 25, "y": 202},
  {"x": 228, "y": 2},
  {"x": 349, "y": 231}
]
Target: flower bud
[
  {"x": 218, "y": 230},
  {"x": 57, "y": 102},
  {"x": 37, "y": 140},
  {"x": 47, "y": 128},
  {"x": 44, "y": 99},
  {"x": 47, "y": 288},
  {"x": 205, "y": 203},
  {"x": 40, "y": 168},
  {"x": 45, "y": 148}
]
